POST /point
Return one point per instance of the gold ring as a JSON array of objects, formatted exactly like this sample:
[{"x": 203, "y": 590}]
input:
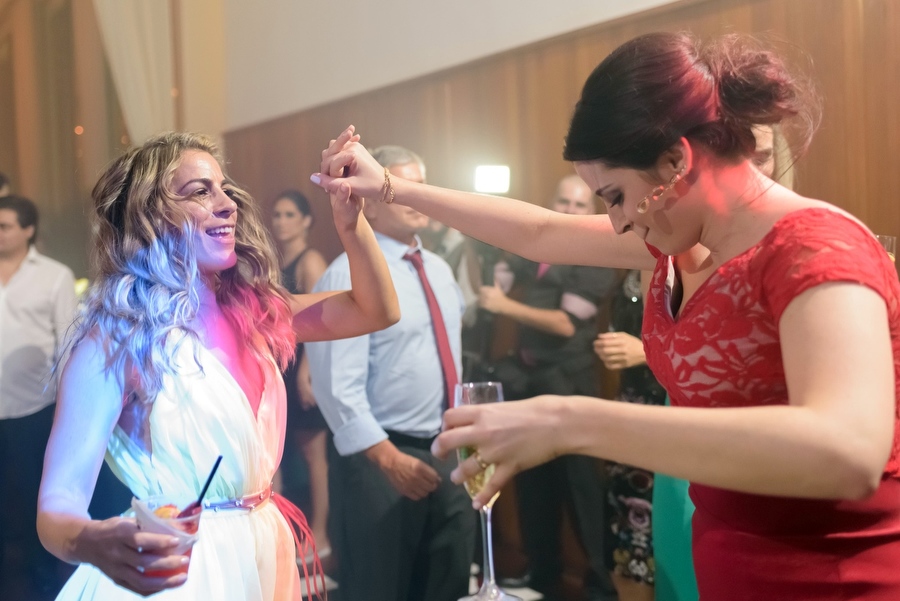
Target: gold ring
[{"x": 481, "y": 463}]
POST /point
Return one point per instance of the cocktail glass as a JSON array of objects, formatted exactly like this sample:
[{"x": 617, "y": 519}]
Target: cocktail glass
[{"x": 158, "y": 515}]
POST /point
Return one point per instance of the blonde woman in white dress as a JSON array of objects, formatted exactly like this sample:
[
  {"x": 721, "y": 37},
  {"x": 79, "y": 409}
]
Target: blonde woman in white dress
[{"x": 175, "y": 360}]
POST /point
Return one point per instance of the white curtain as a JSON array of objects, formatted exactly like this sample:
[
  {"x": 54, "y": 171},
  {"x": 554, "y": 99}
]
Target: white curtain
[{"x": 138, "y": 42}]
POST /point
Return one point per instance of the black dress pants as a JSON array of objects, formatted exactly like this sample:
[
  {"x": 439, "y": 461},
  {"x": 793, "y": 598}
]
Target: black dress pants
[
  {"x": 390, "y": 548},
  {"x": 575, "y": 482},
  {"x": 23, "y": 441}
]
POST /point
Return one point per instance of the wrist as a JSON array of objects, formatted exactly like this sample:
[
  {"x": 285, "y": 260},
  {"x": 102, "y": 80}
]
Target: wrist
[
  {"x": 79, "y": 546},
  {"x": 569, "y": 417},
  {"x": 387, "y": 190},
  {"x": 381, "y": 454},
  {"x": 349, "y": 227}
]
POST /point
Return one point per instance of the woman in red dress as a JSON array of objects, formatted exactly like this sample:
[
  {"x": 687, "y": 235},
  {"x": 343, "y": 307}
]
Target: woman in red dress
[{"x": 772, "y": 320}]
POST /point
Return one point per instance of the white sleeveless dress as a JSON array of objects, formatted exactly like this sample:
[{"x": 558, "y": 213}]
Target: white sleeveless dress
[{"x": 199, "y": 414}]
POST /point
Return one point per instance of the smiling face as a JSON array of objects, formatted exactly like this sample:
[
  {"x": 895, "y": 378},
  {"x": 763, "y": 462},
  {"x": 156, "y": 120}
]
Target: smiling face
[
  {"x": 288, "y": 222},
  {"x": 199, "y": 180},
  {"x": 666, "y": 224}
]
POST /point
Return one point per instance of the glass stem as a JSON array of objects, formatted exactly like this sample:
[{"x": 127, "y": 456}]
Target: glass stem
[{"x": 486, "y": 542}]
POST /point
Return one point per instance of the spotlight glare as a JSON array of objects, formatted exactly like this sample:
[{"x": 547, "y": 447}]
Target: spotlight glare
[{"x": 492, "y": 179}]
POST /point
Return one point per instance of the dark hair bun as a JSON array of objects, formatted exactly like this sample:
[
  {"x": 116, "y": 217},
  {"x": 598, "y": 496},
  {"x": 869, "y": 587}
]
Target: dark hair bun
[
  {"x": 755, "y": 87},
  {"x": 659, "y": 87}
]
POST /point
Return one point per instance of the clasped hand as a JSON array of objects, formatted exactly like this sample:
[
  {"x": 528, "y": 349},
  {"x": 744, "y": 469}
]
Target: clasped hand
[{"x": 345, "y": 162}]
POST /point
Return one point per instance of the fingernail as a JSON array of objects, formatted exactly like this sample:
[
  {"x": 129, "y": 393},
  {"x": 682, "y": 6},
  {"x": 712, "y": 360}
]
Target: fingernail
[
  {"x": 185, "y": 560},
  {"x": 173, "y": 540},
  {"x": 314, "y": 178}
]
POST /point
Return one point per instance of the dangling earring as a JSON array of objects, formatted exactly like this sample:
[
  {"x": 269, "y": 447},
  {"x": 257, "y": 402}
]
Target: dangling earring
[{"x": 658, "y": 191}]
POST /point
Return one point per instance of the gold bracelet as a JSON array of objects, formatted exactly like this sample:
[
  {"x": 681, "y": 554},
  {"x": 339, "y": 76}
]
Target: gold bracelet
[{"x": 388, "y": 188}]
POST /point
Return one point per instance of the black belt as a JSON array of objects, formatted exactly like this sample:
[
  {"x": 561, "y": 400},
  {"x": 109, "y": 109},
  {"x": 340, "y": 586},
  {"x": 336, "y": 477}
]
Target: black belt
[{"x": 405, "y": 440}]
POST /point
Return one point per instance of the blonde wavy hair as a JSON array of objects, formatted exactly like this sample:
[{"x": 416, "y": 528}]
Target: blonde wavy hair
[{"x": 147, "y": 281}]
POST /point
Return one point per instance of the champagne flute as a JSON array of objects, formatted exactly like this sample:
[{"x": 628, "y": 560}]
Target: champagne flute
[
  {"x": 476, "y": 393},
  {"x": 889, "y": 243}
]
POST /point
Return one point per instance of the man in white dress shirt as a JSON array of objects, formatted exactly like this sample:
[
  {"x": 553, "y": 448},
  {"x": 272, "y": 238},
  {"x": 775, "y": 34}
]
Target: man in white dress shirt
[{"x": 37, "y": 304}]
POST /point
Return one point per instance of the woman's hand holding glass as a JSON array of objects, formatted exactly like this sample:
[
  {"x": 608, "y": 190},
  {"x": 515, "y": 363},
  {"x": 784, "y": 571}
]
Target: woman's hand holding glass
[
  {"x": 510, "y": 436},
  {"x": 125, "y": 553}
]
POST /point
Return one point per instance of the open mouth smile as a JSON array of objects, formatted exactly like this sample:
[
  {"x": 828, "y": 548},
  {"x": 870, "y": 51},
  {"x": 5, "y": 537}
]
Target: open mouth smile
[{"x": 224, "y": 231}]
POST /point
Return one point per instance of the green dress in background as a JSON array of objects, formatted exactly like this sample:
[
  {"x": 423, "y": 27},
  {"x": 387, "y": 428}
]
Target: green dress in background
[{"x": 672, "y": 512}]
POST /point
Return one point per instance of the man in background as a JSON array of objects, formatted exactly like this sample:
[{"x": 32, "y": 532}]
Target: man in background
[
  {"x": 557, "y": 323},
  {"x": 37, "y": 304},
  {"x": 400, "y": 529}
]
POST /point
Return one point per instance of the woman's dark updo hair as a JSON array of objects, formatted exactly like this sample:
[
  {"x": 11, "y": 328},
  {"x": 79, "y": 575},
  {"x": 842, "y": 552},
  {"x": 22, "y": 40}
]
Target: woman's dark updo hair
[
  {"x": 659, "y": 87},
  {"x": 300, "y": 201}
]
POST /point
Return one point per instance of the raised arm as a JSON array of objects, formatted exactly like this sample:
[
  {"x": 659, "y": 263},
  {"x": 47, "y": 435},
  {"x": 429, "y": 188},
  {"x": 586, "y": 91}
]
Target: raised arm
[
  {"x": 371, "y": 303},
  {"x": 88, "y": 406},
  {"x": 831, "y": 441},
  {"x": 519, "y": 227}
]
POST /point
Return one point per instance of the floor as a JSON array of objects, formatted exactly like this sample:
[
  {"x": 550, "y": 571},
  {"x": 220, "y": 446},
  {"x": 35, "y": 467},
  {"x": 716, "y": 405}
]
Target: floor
[{"x": 525, "y": 594}]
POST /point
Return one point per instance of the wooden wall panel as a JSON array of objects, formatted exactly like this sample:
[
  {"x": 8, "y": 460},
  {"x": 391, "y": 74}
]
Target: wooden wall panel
[
  {"x": 514, "y": 107},
  {"x": 878, "y": 119}
]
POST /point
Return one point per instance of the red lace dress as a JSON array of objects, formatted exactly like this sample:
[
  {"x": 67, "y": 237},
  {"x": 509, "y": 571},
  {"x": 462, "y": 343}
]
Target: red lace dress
[{"x": 723, "y": 350}]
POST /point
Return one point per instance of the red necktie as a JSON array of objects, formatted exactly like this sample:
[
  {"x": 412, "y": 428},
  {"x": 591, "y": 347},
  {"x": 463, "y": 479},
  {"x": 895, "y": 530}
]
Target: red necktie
[{"x": 448, "y": 366}]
